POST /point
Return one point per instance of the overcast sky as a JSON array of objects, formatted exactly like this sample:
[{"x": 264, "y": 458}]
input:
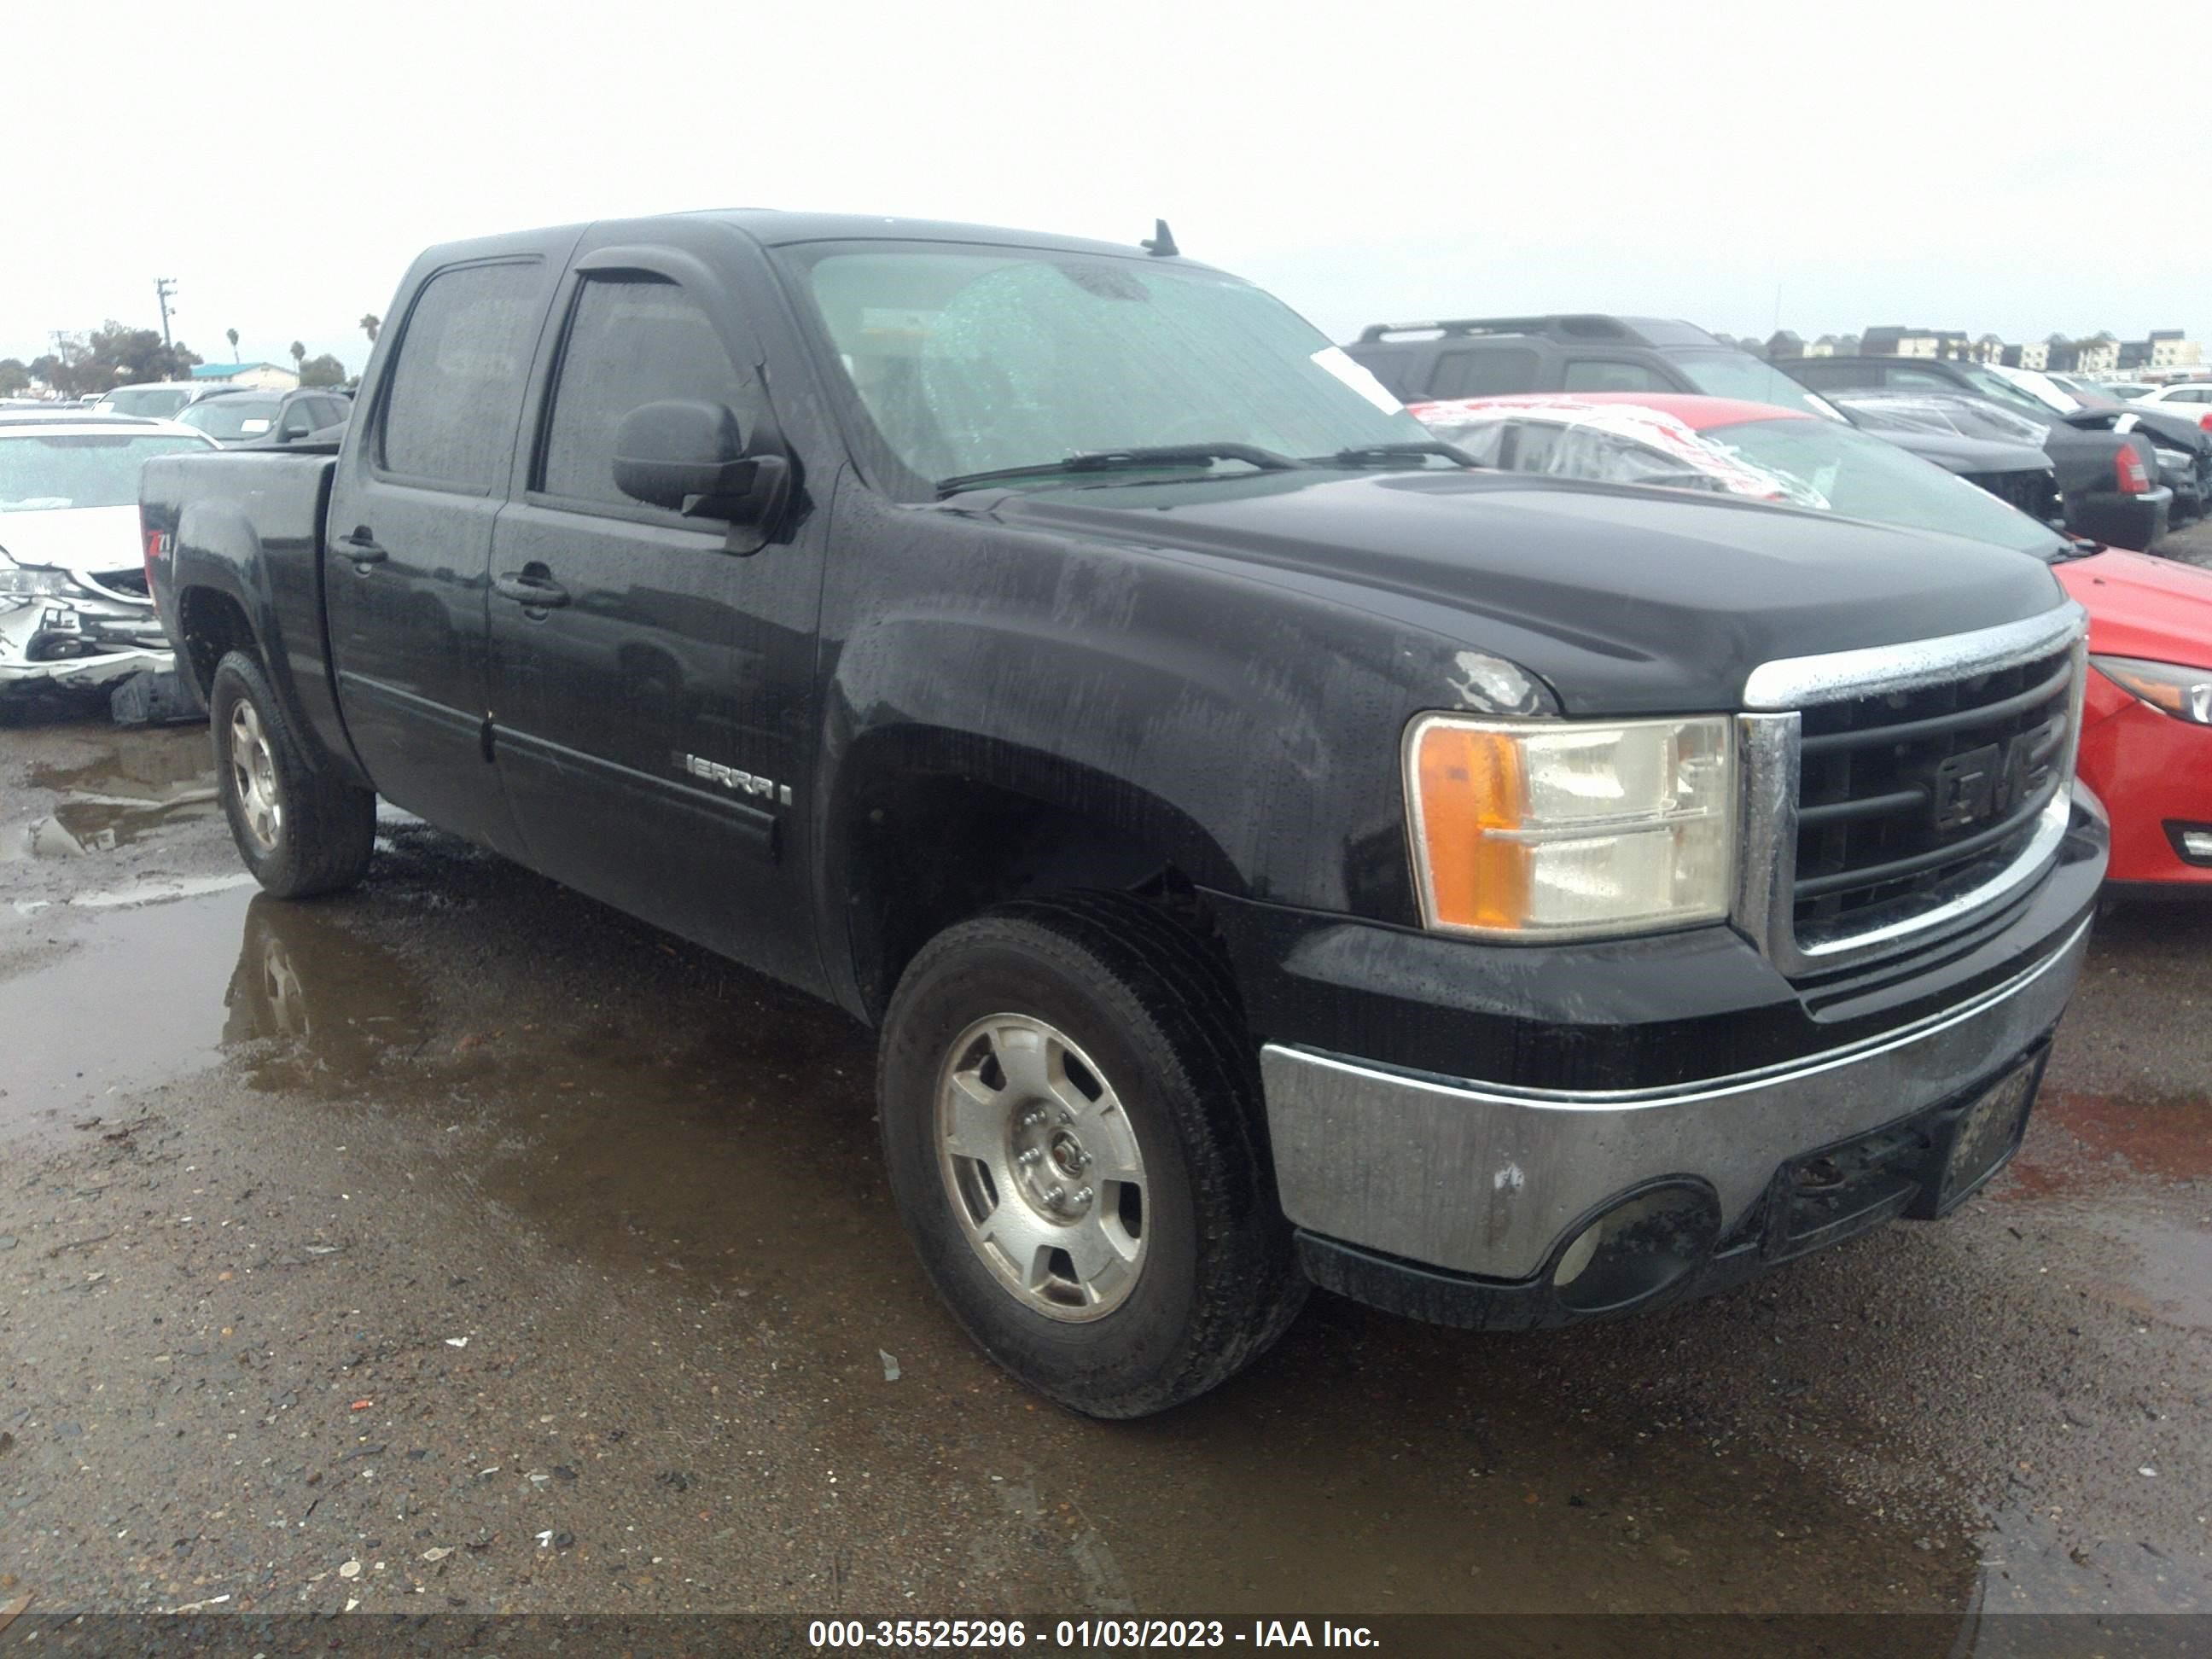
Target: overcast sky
[{"x": 1938, "y": 165}]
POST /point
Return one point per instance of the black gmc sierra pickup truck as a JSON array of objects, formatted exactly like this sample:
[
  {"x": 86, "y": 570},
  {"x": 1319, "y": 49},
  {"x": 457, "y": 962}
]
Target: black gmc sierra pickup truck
[{"x": 1273, "y": 852}]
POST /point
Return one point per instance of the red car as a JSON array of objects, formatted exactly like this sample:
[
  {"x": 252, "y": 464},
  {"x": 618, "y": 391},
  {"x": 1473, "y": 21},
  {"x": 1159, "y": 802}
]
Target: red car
[{"x": 2147, "y": 725}]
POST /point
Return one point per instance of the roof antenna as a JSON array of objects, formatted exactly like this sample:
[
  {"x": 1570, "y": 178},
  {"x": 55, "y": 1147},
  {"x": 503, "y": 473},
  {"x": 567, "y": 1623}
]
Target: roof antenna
[{"x": 1161, "y": 245}]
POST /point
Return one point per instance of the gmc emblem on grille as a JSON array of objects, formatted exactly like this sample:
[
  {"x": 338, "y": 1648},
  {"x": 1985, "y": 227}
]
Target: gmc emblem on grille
[{"x": 1981, "y": 783}]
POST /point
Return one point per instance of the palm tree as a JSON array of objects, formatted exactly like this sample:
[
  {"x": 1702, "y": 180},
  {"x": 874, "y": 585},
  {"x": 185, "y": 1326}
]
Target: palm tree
[
  {"x": 370, "y": 323},
  {"x": 231, "y": 334},
  {"x": 299, "y": 359}
]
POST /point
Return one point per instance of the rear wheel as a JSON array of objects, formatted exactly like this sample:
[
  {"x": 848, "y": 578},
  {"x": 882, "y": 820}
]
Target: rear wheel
[
  {"x": 1070, "y": 1115},
  {"x": 301, "y": 830}
]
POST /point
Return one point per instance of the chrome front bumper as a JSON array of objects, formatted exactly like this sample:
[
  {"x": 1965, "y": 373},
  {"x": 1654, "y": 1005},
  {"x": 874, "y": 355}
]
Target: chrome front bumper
[{"x": 1486, "y": 1179}]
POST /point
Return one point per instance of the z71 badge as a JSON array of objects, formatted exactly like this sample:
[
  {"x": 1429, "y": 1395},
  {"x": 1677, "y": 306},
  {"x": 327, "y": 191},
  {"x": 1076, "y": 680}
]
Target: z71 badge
[{"x": 745, "y": 783}]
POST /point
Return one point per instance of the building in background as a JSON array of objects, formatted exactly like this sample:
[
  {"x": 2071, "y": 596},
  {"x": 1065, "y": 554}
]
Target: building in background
[
  {"x": 1896, "y": 342},
  {"x": 2168, "y": 350},
  {"x": 2098, "y": 355},
  {"x": 262, "y": 377}
]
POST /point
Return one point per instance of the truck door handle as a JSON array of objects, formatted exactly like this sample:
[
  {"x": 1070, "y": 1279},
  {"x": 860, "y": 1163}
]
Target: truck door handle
[
  {"x": 361, "y": 547},
  {"x": 530, "y": 590}
]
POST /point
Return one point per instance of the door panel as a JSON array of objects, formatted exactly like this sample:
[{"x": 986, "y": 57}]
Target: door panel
[
  {"x": 651, "y": 727},
  {"x": 409, "y": 552}
]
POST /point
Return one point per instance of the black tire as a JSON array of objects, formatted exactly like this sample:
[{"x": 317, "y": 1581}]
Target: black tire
[
  {"x": 1152, "y": 1008},
  {"x": 323, "y": 837}
]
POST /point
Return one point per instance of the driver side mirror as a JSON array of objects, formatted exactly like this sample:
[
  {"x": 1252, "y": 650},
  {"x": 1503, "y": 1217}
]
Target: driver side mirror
[{"x": 689, "y": 458}]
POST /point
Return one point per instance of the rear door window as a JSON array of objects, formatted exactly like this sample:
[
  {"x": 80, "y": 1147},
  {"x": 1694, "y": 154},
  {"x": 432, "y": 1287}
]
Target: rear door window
[
  {"x": 632, "y": 340},
  {"x": 457, "y": 385},
  {"x": 1483, "y": 372},
  {"x": 1613, "y": 374}
]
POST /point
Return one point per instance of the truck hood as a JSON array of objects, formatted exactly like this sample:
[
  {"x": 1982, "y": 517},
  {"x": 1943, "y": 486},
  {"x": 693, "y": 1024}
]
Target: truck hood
[
  {"x": 2144, "y": 607},
  {"x": 1625, "y": 600},
  {"x": 81, "y": 540}
]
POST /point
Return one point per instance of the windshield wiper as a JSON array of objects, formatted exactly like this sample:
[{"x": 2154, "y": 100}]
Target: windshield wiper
[
  {"x": 1384, "y": 455},
  {"x": 1124, "y": 461}
]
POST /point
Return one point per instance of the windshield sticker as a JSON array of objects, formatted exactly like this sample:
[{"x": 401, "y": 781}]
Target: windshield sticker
[
  {"x": 1333, "y": 359},
  {"x": 253, "y": 426}
]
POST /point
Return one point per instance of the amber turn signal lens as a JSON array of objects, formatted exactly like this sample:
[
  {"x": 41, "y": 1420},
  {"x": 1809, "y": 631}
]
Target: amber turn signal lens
[{"x": 1470, "y": 786}]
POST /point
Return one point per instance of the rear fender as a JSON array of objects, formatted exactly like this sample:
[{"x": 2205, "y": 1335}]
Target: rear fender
[{"x": 276, "y": 585}]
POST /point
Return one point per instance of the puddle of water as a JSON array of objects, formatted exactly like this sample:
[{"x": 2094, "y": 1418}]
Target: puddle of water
[
  {"x": 138, "y": 764},
  {"x": 126, "y": 796},
  {"x": 138, "y": 998}
]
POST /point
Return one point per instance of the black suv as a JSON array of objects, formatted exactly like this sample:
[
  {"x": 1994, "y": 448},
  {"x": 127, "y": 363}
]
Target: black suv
[
  {"x": 253, "y": 418},
  {"x": 1495, "y": 356}
]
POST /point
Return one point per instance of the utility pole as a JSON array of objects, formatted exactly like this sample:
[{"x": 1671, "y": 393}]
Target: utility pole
[{"x": 165, "y": 289}]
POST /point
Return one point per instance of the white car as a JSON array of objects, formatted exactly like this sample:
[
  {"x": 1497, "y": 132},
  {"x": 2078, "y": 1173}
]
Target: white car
[
  {"x": 74, "y": 608},
  {"x": 2192, "y": 397},
  {"x": 159, "y": 400}
]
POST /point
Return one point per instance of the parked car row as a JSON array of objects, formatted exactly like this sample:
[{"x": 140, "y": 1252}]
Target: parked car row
[
  {"x": 2115, "y": 484},
  {"x": 2127, "y": 479},
  {"x": 75, "y": 615},
  {"x": 233, "y": 414}
]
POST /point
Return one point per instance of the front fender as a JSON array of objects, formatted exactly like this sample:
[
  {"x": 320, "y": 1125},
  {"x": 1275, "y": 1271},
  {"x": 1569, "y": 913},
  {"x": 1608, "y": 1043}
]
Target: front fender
[{"x": 1252, "y": 731}]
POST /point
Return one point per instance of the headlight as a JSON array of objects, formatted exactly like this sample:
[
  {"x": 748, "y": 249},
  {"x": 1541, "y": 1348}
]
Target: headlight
[
  {"x": 30, "y": 582},
  {"x": 1560, "y": 830},
  {"x": 2184, "y": 693}
]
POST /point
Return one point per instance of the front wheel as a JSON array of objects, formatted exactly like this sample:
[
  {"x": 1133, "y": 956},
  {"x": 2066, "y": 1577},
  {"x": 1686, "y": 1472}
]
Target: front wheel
[
  {"x": 301, "y": 830},
  {"x": 1071, "y": 1121}
]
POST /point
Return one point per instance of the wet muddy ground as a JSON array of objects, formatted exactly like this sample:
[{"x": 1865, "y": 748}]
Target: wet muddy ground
[{"x": 459, "y": 1243}]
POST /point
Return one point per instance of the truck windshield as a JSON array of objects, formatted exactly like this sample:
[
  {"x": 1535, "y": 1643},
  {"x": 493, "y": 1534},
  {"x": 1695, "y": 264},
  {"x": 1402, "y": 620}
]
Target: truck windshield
[
  {"x": 968, "y": 361},
  {"x": 232, "y": 417},
  {"x": 41, "y": 471}
]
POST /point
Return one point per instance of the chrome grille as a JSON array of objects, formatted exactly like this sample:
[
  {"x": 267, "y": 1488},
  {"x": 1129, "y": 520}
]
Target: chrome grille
[{"x": 1897, "y": 794}]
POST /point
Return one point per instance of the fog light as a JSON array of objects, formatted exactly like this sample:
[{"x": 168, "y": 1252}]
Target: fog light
[
  {"x": 1638, "y": 1248},
  {"x": 1578, "y": 1254},
  {"x": 2197, "y": 844}
]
